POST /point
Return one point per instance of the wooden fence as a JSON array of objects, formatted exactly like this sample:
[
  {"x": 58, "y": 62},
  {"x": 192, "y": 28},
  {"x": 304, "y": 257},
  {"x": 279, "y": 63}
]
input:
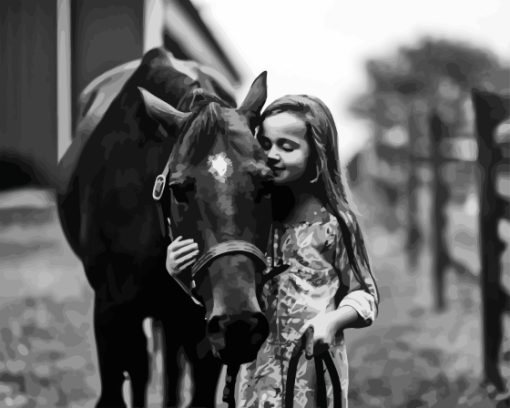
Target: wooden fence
[
  {"x": 433, "y": 146},
  {"x": 492, "y": 111},
  {"x": 483, "y": 147}
]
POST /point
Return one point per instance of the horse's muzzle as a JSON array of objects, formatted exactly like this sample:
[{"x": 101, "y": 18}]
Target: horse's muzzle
[{"x": 236, "y": 339}]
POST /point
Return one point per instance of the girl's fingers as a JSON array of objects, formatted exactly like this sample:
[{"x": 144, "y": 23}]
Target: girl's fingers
[
  {"x": 183, "y": 267},
  {"x": 179, "y": 244},
  {"x": 175, "y": 241},
  {"x": 309, "y": 342},
  {"x": 185, "y": 249},
  {"x": 172, "y": 244},
  {"x": 187, "y": 257},
  {"x": 314, "y": 346}
]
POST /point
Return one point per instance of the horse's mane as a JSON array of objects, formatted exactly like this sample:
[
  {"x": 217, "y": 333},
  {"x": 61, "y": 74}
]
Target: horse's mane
[
  {"x": 204, "y": 124},
  {"x": 203, "y": 127}
]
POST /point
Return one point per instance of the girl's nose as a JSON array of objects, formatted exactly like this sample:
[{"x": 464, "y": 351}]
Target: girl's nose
[{"x": 273, "y": 156}]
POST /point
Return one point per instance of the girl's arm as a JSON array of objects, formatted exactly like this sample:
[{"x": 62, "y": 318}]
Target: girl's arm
[
  {"x": 359, "y": 297},
  {"x": 358, "y": 288}
]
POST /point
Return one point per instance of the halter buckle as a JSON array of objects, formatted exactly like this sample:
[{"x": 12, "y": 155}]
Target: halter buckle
[{"x": 159, "y": 186}]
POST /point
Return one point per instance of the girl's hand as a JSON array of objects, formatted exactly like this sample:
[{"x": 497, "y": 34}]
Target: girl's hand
[
  {"x": 319, "y": 334},
  {"x": 180, "y": 254}
]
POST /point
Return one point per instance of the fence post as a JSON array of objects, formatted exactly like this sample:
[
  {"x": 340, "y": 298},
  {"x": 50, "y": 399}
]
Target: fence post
[
  {"x": 490, "y": 110},
  {"x": 414, "y": 237},
  {"x": 439, "y": 132}
]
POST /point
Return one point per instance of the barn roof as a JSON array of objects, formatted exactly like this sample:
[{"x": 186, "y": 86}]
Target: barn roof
[{"x": 188, "y": 37}]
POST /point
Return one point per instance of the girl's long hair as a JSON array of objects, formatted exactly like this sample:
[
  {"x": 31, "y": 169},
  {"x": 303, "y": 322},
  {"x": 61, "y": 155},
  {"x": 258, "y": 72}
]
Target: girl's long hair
[{"x": 330, "y": 187}]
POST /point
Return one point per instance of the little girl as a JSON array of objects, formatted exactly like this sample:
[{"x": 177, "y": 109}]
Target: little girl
[{"x": 328, "y": 286}]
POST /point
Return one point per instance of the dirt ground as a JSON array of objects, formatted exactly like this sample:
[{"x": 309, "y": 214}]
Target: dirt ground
[{"x": 411, "y": 357}]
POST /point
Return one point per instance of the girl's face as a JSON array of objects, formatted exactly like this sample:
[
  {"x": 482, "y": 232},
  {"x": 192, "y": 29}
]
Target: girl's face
[{"x": 283, "y": 137}]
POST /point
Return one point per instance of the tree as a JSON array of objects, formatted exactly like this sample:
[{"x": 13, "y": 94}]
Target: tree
[
  {"x": 431, "y": 72},
  {"x": 421, "y": 91}
]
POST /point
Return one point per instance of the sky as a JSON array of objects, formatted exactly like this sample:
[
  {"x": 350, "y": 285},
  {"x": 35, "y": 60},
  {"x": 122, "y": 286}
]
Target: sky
[{"x": 319, "y": 47}]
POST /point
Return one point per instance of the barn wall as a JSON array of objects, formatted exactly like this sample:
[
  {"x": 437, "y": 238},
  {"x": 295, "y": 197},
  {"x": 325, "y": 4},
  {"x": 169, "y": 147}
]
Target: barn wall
[
  {"x": 103, "y": 35},
  {"x": 28, "y": 80}
]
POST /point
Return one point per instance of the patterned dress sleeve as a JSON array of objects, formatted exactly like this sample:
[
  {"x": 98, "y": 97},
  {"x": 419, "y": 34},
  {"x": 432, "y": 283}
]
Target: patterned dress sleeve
[{"x": 358, "y": 288}]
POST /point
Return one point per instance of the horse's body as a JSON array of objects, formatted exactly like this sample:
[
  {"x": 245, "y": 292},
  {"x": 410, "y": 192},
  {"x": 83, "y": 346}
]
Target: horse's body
[{"x": 111, "y": 222}]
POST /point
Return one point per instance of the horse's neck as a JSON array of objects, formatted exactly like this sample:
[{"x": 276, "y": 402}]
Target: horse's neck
[
  {"x": 170, "y": 85},
  {"x": 187, "y": 67}
]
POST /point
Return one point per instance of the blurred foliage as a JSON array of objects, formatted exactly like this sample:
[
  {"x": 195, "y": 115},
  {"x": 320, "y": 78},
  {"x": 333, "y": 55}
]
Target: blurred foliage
[
  {"x": 413, "y": 356},
  {"x": 405, "y": 87},
  {"x": 431, "y": 71}
]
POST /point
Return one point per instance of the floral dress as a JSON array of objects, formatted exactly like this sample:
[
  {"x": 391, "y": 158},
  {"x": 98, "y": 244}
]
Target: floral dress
[{"x": 318, "y": 271}]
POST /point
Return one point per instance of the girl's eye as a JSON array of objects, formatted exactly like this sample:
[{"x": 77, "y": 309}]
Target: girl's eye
[
  {"x": 287, "y": 147},
  {"x": 265, "y": 143}
]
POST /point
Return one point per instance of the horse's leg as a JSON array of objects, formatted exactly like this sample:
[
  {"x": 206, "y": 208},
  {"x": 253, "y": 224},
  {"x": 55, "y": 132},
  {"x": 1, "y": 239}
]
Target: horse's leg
[
  {"x": 170, "y": 307},
  {"x": 121, "y": 342},
  {"x": 205, "y": 368},
  {"x": 171, "y": 369},
  {"x": 137, "y": 360},
  {"x": 108, "y": 328},
  {"x": 205, "y": 372}
]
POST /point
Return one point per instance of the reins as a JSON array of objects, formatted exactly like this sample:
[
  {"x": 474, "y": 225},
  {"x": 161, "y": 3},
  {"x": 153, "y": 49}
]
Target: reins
[
  {"x": 230, "y": 385},
  {"x": 321, "y": 393}
]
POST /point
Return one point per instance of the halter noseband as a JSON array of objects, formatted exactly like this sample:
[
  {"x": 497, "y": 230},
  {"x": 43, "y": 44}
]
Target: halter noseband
[{"x": 228, "y": 247}]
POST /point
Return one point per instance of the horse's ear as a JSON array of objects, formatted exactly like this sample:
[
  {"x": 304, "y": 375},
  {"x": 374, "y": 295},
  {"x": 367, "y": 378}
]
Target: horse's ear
[
  {"x": 256, "y": 98},
  {"x": 164, "y": 113}
]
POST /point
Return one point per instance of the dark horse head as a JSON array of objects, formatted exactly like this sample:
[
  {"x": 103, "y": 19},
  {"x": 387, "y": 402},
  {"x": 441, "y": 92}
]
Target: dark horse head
[{"x": 217, "y": 179}]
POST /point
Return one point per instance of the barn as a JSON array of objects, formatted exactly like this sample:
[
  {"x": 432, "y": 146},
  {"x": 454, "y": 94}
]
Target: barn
[{"x": 51, "y": 50}]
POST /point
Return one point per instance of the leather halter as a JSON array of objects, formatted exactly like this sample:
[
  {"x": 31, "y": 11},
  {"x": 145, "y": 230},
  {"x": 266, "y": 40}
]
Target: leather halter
[
  {"x": 220, "y": 249},
  {"x": 228, "y": 247}
]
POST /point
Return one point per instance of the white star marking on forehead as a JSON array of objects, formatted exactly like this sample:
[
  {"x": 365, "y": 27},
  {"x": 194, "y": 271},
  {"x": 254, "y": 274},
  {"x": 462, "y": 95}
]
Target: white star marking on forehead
[{"x": 220, "y": 166}]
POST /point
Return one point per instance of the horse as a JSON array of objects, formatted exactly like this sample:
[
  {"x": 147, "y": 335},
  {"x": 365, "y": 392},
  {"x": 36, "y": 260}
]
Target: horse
[{"x": 216, "y": 175}]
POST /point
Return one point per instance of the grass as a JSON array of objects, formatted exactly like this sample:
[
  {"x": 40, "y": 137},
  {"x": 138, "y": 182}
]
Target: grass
[{"x": 411, "y": 357}]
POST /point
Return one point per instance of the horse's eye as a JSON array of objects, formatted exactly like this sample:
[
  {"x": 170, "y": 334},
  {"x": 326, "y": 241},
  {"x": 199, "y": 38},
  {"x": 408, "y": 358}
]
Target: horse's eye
[
  {"x": 180, "y": 190},
  {"x": 179, "y": 195}
]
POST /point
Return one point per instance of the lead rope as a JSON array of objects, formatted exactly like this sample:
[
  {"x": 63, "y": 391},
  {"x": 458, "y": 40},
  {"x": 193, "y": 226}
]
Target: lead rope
[
  {"x": 276, "y": 268},
  {"x": 230, "y": 385},
  {"x": 321, "y": 384}
]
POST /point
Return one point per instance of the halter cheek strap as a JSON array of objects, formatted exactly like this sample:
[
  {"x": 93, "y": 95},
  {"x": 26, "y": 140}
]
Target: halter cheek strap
[{"x": 157, "y": 193}]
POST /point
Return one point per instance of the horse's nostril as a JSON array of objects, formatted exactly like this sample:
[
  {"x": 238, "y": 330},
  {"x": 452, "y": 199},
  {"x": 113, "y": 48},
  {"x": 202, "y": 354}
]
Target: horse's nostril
[
  {"x": 238, "y": 338},
  {"x": 213, "y": 326}
]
